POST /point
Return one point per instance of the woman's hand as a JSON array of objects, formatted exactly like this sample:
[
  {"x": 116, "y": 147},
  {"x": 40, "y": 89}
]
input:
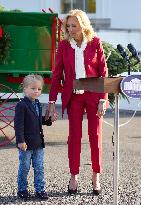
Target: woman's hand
[
  {"x": 51, "y": 112},
  {"x": 22, "y": 146},
  {"x": 101, "y": 108},
  {"x": 54, "y": 117}
]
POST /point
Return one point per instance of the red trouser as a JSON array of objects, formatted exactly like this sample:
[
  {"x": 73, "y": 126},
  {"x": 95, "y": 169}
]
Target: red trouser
[{"x": 78, "y": 102}]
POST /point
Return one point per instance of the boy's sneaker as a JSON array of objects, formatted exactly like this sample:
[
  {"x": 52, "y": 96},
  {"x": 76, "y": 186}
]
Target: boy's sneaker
[
  {"x": 42, "y": 195},
  {"x": 23, "y": 195}
]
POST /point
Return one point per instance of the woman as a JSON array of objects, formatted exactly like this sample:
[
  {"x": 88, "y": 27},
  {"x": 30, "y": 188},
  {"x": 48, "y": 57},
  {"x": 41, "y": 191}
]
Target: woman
[{"x": 80, "y": 55}]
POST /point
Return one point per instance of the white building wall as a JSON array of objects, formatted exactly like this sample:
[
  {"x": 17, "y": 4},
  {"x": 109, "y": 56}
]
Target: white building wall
[
  {"x": 122, "y": 37},
  {"x": 126, "y": 14}
]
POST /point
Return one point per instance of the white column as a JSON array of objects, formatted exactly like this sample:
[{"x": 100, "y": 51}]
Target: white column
[
  {"x": 103, "y": 8},
  {"x": 107, "y": 8}
]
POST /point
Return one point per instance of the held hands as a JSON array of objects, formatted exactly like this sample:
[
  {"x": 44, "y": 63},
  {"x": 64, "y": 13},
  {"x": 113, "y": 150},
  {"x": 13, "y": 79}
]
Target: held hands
[
  {"x": 51, "y": 112},
  {"x": 101, "y": 108},
  {"x": 22, "y": 146}
]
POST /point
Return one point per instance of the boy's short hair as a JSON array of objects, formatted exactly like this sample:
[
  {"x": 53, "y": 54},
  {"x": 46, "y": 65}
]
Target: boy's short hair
[{"x": 32, "y": 78}]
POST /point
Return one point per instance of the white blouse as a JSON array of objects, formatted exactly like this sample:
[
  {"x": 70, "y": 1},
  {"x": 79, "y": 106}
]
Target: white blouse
[{"x": 79, "y": 61}]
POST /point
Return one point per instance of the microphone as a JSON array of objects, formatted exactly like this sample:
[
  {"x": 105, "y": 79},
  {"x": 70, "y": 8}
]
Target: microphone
[
  {"x": 122, "y": 52},
  {"x": 133, "y": 51}
]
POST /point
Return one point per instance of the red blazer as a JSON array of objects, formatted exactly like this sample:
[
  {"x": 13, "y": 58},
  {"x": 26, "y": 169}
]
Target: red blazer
[{"x": 95, "y": 65}]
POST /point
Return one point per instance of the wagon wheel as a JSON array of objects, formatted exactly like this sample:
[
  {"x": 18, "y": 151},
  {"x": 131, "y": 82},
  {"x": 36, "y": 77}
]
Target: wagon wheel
[{"x": 8, "y": 101}]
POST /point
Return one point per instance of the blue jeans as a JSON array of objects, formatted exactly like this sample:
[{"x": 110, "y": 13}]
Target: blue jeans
[{"x": 25, "y": 158}]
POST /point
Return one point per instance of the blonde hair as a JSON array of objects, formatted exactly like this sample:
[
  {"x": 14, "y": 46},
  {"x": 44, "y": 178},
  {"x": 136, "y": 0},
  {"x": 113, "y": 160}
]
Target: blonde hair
[
  {"x": 84, "y": 22},
  {"x": 31, "y": 79}
]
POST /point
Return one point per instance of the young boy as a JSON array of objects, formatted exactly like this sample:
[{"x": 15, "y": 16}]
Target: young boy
[{"x": 28, "y": 123}]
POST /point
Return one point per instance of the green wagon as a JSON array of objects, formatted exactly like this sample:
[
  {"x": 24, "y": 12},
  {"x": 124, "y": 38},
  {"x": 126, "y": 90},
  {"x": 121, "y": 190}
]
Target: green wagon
[{"x": 27, "y": 46}]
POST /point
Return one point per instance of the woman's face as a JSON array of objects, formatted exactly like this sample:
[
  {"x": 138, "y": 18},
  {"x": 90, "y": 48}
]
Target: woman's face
[{"x": 74, "y": 29}]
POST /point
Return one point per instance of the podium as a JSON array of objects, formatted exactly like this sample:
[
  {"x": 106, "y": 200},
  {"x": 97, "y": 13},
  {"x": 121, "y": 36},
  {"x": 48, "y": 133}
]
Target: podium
[
  {"x": 106, "y": 85},
  {"x": 99, "y": 85}
]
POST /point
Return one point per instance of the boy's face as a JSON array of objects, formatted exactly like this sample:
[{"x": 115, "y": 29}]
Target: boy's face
[{"x": 33, "y": 90}]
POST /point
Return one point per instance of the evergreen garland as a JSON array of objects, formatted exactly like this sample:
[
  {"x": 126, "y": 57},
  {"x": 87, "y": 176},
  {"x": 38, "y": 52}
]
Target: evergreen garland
[{"x": 5, "y": 45}]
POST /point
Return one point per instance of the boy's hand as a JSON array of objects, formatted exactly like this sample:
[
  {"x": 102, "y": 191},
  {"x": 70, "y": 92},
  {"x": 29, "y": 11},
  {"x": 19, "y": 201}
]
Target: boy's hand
[
  {"x": 54, "y": 117},
  {"x": 22, "y": 146}
]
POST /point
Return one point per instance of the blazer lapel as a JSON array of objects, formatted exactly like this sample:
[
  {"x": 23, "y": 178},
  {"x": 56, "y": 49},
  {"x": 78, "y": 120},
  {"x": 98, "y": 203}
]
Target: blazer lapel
[
  {"x": 30, "y": 105},
  {"x": 71, "y": 57},
  {"x": 32, "y": 108},
  {"x": 40, "y": 112}
]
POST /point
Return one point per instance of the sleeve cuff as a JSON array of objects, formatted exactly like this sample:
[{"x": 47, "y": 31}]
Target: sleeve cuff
[
  {"x": 103, "y": 100},
  {"x": 51, "y": 102}
]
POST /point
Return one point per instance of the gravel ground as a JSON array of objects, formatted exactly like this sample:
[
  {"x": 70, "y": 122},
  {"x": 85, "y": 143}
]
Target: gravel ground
[{"x": 57, "y": 170}]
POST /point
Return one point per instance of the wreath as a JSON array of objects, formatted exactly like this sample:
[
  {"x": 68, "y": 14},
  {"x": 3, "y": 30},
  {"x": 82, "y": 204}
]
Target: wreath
[{"x": 5, "y": 45}]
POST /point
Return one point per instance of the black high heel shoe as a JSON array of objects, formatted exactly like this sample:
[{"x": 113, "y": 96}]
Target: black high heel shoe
[
  {"x": 96, "y": 192},
  {"x": 72, "y": 191}
]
